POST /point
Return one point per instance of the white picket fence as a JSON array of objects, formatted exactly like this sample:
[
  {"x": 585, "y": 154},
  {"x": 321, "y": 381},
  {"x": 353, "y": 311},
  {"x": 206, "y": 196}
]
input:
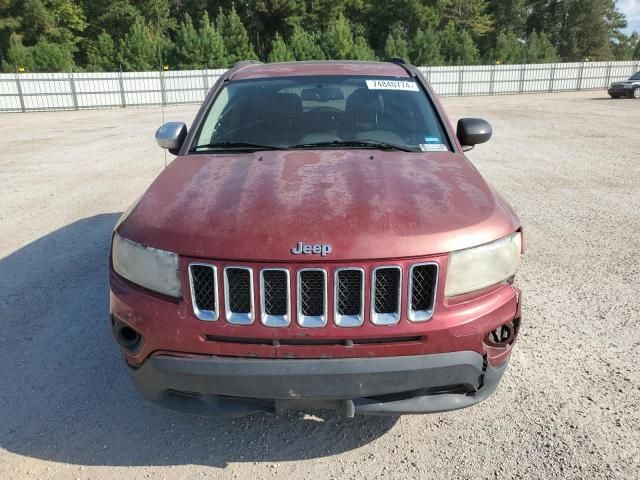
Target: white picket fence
[{"x": 26, "y": 92}]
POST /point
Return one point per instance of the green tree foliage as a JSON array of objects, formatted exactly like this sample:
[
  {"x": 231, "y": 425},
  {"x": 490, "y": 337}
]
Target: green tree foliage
[
  {"x": 265, "y": 19},
  {"x": 140, "y": 50},
  {"x": 236, "y": 39},
  {"x": 457, "y": 46},
  {"x": 212, "y": 44},
  {"x": 425, "y": 47},
  {"x": 509, "y": 16},
  {"x": 469, "y": 15},
  {"x": 540, "y": 49},
  {"x": 396, "y": 44},
  {"x": 187, "y": 50},
  {"x": 52, "y": 57},
  {"x": 280, "y": 51},
  {"x": 101, "y": 54},
  {"x": 305, "y": 46},
  {"x": 18, "y": 56},
  {"x": 509, "y": 49},
  {"x": 113, "y": 16},
  {"x": 338, "y": 39},
  {"x": 361, "y": 50},
  {"x": 139, "y": 34}
]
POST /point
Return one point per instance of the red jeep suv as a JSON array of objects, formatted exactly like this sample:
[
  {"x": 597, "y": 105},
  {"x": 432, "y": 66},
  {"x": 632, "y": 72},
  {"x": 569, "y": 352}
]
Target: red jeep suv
[{"x": 320, "y": 241}]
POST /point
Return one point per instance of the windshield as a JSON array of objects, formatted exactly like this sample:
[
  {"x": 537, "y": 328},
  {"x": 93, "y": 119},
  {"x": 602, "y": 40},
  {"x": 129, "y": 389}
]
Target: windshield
[
  {"x": 322, "y": 112},
  {"x": 636, "y": 76}
]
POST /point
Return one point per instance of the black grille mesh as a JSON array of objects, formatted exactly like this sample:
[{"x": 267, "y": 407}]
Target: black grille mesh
[
  {"x": 349, "y": 292},
  {"x": 275, "y": 292},
  {"x": 386, "y": 290},
  {"x": 204, "y": 287},
  {"x": 239, "y": 282},
  {"x": 423, "y": 281},
  {"x": 312, "y": 293}
]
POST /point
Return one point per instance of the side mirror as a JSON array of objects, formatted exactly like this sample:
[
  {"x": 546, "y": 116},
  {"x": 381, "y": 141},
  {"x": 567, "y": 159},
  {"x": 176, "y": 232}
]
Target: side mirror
[
  {"x": 171, "y": 135},
  {"x": 473, "y": 131}
]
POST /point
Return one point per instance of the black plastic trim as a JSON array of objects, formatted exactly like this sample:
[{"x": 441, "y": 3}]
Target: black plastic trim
[{"x": 222, "y": 386}]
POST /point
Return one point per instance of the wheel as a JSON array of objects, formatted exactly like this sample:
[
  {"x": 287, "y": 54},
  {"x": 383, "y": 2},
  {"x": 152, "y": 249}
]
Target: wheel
[{"x": 636, "y": 93}]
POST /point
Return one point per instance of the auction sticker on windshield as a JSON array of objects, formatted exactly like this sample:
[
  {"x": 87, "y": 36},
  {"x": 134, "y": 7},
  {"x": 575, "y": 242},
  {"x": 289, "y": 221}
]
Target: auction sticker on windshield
[{"x": 392, "y": 85}]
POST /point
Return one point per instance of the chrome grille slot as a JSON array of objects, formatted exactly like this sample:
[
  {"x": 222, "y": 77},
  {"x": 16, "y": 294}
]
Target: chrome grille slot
[
  {"x": 312, "y": 297},
  {"x": 274, "y": 297},
  {"x": 423, "y": 279},
  {"x": 349, "y": 297},
  {"x": 386, "y": 285},
  {"x": 204, "y": 291},
  {"x": 238, "y": 295}
]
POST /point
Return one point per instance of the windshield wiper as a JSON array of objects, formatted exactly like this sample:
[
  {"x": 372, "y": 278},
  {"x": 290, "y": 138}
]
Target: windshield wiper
[
  {"x": 234, "y": 146},
  {"x": 355, "y": 144}
]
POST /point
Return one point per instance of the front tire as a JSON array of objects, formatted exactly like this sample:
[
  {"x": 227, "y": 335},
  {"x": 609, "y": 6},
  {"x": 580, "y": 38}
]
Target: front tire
[{"x": 636, "y": 93}]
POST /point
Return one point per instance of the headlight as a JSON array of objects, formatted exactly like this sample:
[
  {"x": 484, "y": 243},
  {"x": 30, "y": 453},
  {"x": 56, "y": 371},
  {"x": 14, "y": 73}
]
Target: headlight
[
  {"x": 483, "y": 266},
  {"x": 148, "y": 267}
]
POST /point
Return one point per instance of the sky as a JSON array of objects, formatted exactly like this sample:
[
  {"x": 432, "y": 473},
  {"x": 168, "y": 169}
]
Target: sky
[{"x": 631, "y": 8}]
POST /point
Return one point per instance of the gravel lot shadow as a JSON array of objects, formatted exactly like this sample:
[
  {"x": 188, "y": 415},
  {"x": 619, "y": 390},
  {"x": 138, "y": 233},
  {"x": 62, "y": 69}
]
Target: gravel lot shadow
[{"x": 65, "y": 393}]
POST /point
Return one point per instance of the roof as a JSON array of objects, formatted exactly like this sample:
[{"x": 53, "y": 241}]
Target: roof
[{"x": 292, "y": 69}]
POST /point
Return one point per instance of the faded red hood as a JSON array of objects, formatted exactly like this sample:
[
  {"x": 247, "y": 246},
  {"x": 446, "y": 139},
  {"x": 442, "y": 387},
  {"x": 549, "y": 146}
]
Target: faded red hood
[{"x": 366, "y": 204}]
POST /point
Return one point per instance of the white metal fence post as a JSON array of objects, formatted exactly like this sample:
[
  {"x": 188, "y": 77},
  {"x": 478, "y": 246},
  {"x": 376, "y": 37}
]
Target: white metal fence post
[
  {"x": 607, "y": 80},
  {"x": 552, "y": 77},
  {"x": 522, "y": 71},
  {"x": 580, "y": 76},
  {"x": 123, "y": 98},
  {"x": 163, "y": 91},
  {"x": 20, "y": 95},
  {"x": 205, "y": 83},
  {"x": 460, "y": 80},
  {"x": 492, "y": 80},
  {"x": 74, "y": 94}
]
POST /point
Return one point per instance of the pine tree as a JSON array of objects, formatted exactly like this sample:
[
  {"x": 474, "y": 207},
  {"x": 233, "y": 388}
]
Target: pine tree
[
  {"x": 425, "y": 47},
  {"x": 139, "y": 50},
  {"x": 212, "y": 45},
  {"x": 114, "y": 16},
  {"x": 458, "y": 47},
  {"x": 18, "y": 56},
  {"x": 280, "y": 52},
  {"x": 338, "y": 39},
  {"x": 305, "y": 46},
  {"x": 471, "y": 16},
  {"x": 510, "y": 16},
  {"x": 361, "y": 50},
  {"x": 236, "y": 39},
  {"x": 396, "y": 44},
  {"x": 540, "y": 49},
  {"x": 509, "y": 49},
  {"x": 187, "y": 49},
  {"x": 52, "y": 57},
  {"x": 101, "y": 54}
]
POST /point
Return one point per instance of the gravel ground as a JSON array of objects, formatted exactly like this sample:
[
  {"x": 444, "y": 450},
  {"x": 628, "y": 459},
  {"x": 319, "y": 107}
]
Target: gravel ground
[{"x": 567, "y": 408}]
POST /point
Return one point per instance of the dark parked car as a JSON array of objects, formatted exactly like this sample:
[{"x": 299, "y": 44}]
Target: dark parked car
[
  {"x": 628, "y": 88},
  {"x": 321, "y": 240}
]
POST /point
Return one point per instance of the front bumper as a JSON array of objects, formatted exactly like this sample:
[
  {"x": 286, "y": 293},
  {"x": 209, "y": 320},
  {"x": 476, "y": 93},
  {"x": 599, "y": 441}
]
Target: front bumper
[
  {"x": 621, "y": 91},
  {"x": 228, "y": 387}
]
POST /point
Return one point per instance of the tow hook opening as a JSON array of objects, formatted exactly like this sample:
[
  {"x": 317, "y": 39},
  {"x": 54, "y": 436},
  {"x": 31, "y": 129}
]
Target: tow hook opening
[
  {"x": 127, "y": 337},
  {"x": 503, "y": 336}
]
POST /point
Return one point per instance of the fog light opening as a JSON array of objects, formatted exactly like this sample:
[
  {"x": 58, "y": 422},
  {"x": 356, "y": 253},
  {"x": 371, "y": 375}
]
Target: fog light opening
[
  {"x": 127, "y": 337},
  {"x": 502, "y": 336}
]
